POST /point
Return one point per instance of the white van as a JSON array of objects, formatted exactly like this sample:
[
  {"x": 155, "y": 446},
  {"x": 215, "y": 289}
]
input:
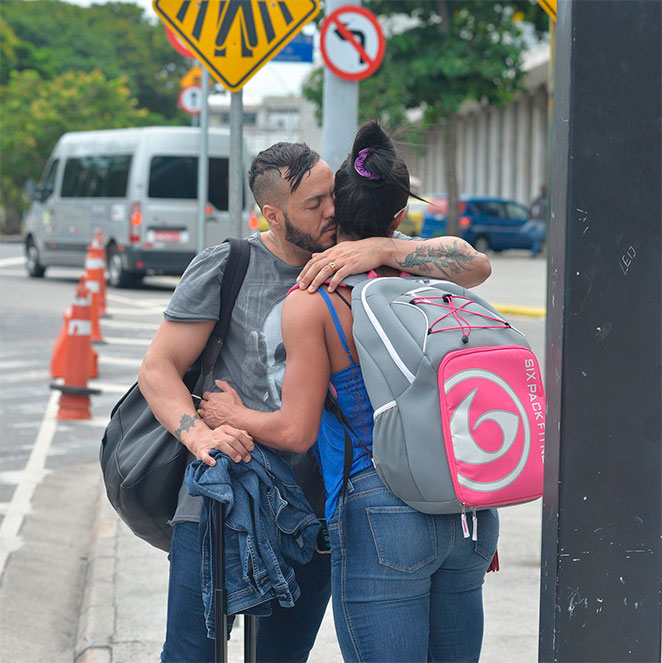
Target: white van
[{"x": 140, "y": 186}]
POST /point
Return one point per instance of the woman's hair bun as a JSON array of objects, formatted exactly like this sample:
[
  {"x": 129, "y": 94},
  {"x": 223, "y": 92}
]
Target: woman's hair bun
[{"x": 380, "y": 156}]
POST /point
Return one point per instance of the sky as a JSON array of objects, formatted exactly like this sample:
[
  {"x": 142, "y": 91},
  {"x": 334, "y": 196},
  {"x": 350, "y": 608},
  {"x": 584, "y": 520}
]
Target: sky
[{"x": 274, "y": 79}]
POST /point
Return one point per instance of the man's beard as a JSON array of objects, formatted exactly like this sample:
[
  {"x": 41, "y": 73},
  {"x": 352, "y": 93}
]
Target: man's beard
[{"x": 302, "y": 239}]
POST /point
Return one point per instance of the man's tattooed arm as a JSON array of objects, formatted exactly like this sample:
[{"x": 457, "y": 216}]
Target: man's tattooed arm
[
  {"x": 446, "y": 260},
  {"x": 185, "y": 424}
]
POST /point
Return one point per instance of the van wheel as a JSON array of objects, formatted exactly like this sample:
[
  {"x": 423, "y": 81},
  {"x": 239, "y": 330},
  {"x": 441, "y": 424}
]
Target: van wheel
[
  {"x": 481, "y": 244},
  {"x": 118, "y": 277},
  {"x": 35, "y": 269}
]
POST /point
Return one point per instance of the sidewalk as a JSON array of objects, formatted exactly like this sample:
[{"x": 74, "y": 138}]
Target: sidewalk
[{"x": 124, "y": 607}]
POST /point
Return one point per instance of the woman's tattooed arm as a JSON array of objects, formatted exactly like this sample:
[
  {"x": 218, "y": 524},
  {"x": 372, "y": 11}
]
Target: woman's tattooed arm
[{"x": 450, "y": 258}]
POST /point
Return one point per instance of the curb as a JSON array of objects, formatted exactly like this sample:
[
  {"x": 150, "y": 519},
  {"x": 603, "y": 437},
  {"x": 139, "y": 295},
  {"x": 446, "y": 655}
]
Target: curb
[
  {"x": 513, "y": 309},
  {"x": 96, "y": 623}
]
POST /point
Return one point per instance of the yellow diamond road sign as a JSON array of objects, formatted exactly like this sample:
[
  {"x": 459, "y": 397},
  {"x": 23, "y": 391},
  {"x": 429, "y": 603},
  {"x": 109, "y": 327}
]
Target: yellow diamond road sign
[
  {"x": 235, "y": 38},
  {"x": 549, "y": 6}
]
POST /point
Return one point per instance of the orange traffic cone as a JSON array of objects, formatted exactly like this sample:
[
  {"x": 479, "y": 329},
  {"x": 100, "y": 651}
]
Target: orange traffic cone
[
  {"x": 95, "y": 268},
  {"x": 58, "y": 356},
  {"x": 75, "y": 397},
  {"x": 94, "y": 287}
]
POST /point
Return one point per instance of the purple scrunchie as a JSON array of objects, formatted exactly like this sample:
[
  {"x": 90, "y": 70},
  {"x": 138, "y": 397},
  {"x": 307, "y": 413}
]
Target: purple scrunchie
[{"x": 360, "y": 168}]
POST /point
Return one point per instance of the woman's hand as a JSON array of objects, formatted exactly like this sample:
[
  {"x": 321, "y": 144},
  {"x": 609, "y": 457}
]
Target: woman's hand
[{"x": 220, "y": 407}]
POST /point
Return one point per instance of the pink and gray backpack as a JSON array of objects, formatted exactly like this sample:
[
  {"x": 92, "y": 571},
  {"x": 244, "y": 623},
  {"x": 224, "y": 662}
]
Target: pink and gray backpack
[{"x": 457, "y": 393}]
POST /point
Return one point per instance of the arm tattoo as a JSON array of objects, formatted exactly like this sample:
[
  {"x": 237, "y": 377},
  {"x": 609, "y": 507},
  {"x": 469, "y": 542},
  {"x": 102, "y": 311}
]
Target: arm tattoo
[
  {"x": 445, "y": 260},
  {"x": 185, "y": 424}
]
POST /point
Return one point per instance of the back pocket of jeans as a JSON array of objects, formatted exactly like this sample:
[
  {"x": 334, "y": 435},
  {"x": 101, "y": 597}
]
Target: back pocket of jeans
[{"x": 405, "y": 539}]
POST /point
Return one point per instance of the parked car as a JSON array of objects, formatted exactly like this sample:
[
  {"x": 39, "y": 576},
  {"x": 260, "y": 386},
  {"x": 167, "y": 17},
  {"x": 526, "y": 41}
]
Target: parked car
[{"x": 486, "y": 223}]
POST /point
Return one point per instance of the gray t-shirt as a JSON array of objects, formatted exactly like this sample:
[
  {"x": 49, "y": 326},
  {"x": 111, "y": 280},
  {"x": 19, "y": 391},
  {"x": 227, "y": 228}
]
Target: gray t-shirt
[{"x": 253, "y": 356}]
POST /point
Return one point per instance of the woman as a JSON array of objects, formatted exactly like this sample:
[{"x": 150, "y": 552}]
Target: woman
[{"x": 407, "y": 586}]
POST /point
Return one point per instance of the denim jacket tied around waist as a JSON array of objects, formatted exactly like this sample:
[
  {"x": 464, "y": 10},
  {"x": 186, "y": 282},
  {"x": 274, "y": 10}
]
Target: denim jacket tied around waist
[{"x": 268, "y": 524}]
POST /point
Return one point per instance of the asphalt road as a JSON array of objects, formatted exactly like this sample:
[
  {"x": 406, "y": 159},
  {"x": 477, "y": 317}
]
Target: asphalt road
[{"x": 48, "y": 472}]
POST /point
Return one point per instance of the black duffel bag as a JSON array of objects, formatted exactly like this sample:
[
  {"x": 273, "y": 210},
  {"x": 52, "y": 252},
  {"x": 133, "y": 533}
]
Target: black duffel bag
[{"x": 143, "y": 464}]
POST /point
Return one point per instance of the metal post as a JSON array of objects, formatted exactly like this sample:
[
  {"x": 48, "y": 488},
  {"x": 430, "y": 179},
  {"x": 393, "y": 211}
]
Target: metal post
[
  {"x": 601, "y": 520},
  {"x": 220, "y": 616},
  {"x": 203, "y": 162},
  {"x": 250, "y": 640},
  {"x": 236, "y": 167},
  {"x": 340, "y": 108}
]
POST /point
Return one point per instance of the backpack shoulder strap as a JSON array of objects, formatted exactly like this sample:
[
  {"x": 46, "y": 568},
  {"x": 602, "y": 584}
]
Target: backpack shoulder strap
[
  {"x": 233, "y": 278},
  {"x": 235, "y": 270},
  {"x": 336, "y": 322}
]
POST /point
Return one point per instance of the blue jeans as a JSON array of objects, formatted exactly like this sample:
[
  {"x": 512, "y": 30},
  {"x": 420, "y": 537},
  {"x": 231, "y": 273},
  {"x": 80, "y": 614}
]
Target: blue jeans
[
  {"x": 287, "y": 635},
  {"x": 407, "y": 586}
]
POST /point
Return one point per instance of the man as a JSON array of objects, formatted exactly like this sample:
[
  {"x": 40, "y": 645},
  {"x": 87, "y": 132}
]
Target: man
[{"x": 294, "y": 189}]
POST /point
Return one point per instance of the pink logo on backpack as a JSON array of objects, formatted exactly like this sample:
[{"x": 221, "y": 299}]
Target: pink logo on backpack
[{"x": 493, "y": 417}]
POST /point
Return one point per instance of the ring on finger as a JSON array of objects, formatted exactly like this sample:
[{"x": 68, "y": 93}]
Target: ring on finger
[{"x": 333, "y": 266}]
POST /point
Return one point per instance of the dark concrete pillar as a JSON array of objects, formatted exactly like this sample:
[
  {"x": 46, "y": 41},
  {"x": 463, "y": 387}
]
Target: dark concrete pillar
[{"x": 601, "y": 559}]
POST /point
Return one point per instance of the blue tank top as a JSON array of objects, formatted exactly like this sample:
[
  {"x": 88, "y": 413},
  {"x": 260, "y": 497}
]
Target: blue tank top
[{"x": 353, "y": 399}]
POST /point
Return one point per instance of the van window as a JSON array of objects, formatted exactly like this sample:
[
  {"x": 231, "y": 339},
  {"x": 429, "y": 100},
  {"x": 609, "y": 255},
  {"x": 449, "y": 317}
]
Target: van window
[
  {"x": 177, "y": 177},
  {"x": 96, "y": 177},
  {"x": 47, "y": 185}
]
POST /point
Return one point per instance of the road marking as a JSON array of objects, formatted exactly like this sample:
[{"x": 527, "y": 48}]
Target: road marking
[
  {"x": 110, "y": 387},
  {"x": 134, "y": 302},
  {"x": 23, "y": 376},
  {"x": 120, "y": 361},
  {"x": 130, "y": 324},
  {"x": 513, "y": 309},
  {"x": 34, "y": 471},
  {"x": 12, "y": 272},
  {"x": 118, "y": 340},
  {"x": 19, "y": 260},
  {"x": 112, "y": 310}
]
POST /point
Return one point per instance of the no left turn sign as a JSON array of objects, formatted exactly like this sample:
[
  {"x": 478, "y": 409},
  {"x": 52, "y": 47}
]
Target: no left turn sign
[{"x": 352, "y": 42}]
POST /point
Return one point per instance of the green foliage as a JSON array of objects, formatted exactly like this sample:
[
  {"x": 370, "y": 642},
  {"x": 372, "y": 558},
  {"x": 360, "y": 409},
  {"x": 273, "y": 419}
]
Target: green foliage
[
  {"x": 448, "y": 52},
  {"x": 64, "y": 67},
  {"x": 35, "y": 112},
  {"x": 56, "y": 37}
]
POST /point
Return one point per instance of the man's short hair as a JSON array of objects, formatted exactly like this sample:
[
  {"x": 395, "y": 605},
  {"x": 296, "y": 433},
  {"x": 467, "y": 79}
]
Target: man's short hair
[{"x": 290, "y": 161}]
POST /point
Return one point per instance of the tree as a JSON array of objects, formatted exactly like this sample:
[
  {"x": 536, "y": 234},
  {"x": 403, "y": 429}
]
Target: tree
[
  {"x": 451, "y": 51},
  {"x": 35, "y": 112},
  {"x": 55, "y": 37}
]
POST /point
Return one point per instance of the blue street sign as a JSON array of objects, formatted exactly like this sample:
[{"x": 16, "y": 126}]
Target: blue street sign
[{"x": 300, "y": 49}]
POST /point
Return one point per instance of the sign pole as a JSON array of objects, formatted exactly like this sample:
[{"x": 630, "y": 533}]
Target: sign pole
[
  {"x": 236, "y": 166},
  {"x": 352, "y": 44},
  {"x": 339, "y": 119},
  {"x": 203, "y": 162}
]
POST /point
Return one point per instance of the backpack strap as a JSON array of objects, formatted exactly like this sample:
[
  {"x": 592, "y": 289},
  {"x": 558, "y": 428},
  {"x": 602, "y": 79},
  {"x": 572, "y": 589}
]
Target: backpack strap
[
  {"x": 235, "y": 270},
  {"x": 336, "y": 322}
]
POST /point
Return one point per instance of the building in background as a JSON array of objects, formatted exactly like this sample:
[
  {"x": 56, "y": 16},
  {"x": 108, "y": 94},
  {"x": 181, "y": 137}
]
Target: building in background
[
  {"x": 501, "y": 151},
  {"x": 270, "y": 120}
]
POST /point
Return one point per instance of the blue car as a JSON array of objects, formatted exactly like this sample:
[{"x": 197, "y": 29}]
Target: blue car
[{"x": 487, "y": 223}]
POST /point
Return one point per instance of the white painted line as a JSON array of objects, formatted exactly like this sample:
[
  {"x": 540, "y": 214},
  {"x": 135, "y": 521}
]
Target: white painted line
[
  {"x": 135, "y": 302},
  {"x": 130, "y": 324},
  {"x": 33, "y": 474},
  {"x": 120, "y": 361},
  {"x": 23, "y": 376},
  {"x": 12, "y": 272},
  {"x": 19, "y": 363},
  {"x": 18, "y": 260},
  {"x": 135, "y": 311},
  {"x": 119, "y": 340},
  {"x": 96, "y": 422},
  {"x": 110, "y": 387}
]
